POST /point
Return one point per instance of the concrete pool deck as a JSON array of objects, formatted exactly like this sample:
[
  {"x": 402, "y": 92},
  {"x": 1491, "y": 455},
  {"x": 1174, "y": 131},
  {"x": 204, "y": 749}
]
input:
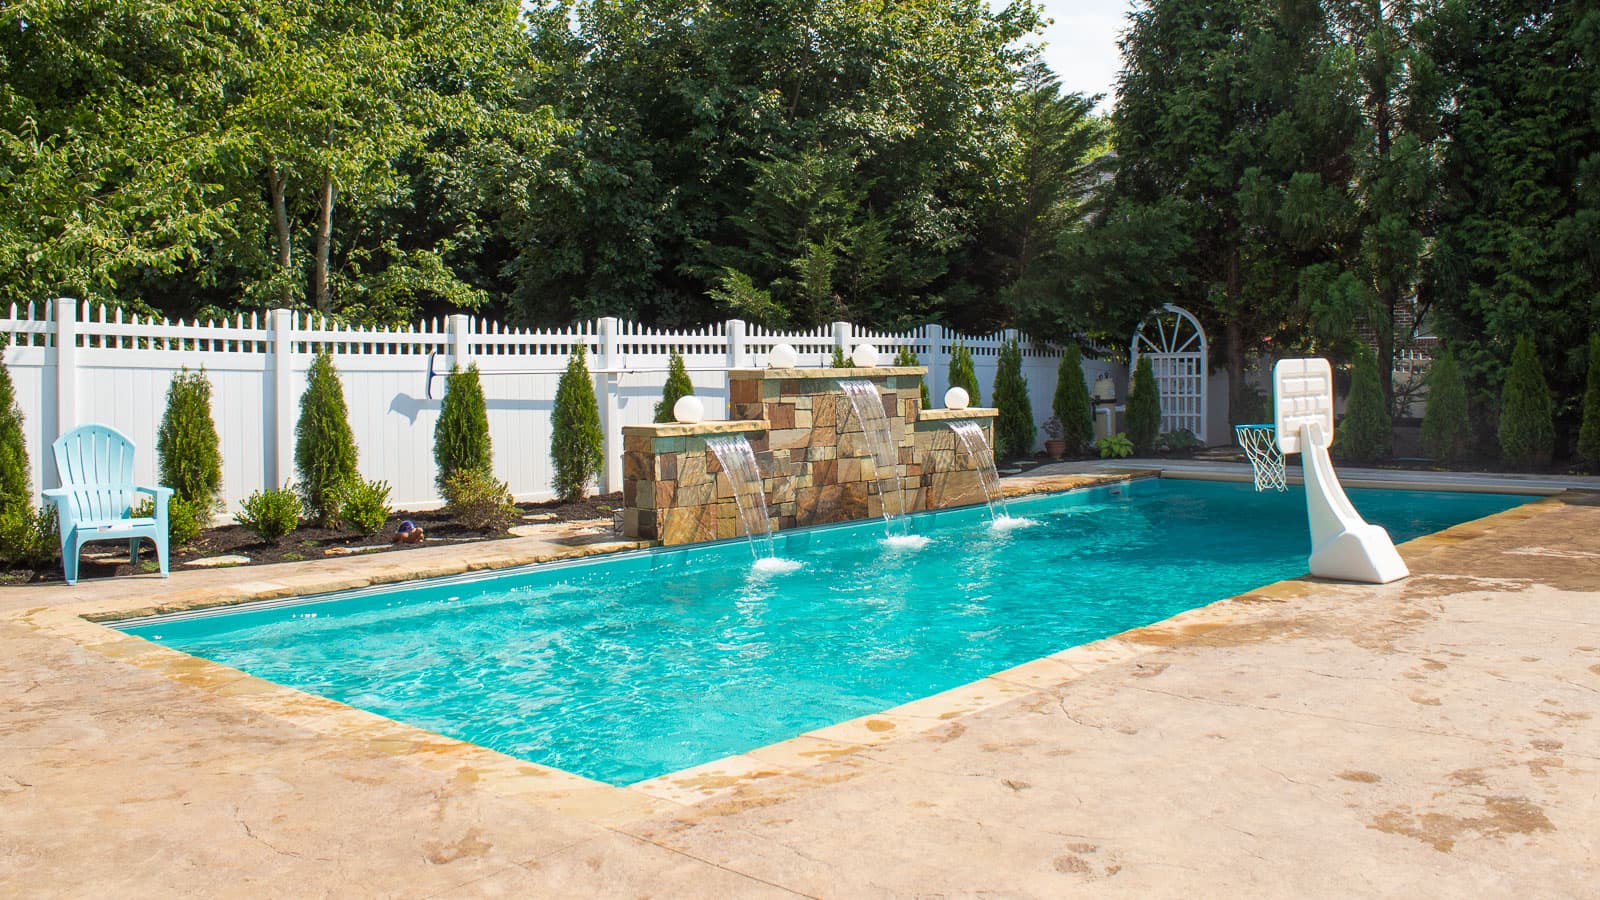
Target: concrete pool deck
[{"x": 1436, "y": 736}]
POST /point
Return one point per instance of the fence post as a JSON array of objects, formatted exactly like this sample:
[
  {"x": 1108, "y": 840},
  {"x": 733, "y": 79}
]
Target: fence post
[
  {"x": 841, "y": 337},
  {"x": 283, "y": 399},
  {"x": 66, "y": 365},
  {"x": 736, "y": 345},
  {"x": 459, "y": 329},
  {"x": 606, "y": 391},
  {"x": 938, "y": 364}
]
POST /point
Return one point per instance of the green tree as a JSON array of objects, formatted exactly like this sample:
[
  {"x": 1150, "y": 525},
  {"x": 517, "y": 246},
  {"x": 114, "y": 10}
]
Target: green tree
[
  {"x": 1589, "y": 431},
  {"x": 1071, "y": 401},
  {"x": 461, "y": 436},
  {"x": 1526, "y": 430},
  {"x": 576, "y": 444},
  {"x": 1014, "y": 433},
  {"x": 1144, "y": 408},
  {"x": 1445, "y": 425},
  {"x": 963, "y": 374},
  {"x": 187, "y": 448},
  {"x": 16, "y": 474},
  {"x": 1367, "y": 431},
  {"x": 907, "y": 357},
  {"x": 677, "y": 387},
  {"x": 324, "y": 447}
]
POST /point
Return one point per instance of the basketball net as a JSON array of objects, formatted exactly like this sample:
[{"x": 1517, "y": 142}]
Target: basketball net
[{"x": 1260, "y": 443}]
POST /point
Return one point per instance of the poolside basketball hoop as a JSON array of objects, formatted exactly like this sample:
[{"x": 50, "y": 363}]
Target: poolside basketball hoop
[{"x": 1260, "y": 443}]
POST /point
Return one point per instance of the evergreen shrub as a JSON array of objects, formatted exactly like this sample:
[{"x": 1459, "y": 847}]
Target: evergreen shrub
[
  {"x": 366, "y": 506},
  {"x": 16, "y": 476},
  {"x": 188, "y": 455},
  {"x": 1071, "y": 401},
  {"x": 1445, "y": 425},
  {"x": 1144, "y": 408},
  {"x": 1527, "y": 429},
  {"x": 324, "y": 448},
  {"x": 840, "y": 361},
  {"x": 479, "y": 502},
  {"x": 1589, "y": 430},
  {"x": 271, "y": 514},
  {"x": 963, "y": 374},
  {"x": 906, "y": 357},
  {"x": 576, "y": 444},
  {"x": 461, "y": 437},
  {"x": 1014, "y": 431},
  {"x": 677, "y": 387},
  {"x": 1366, "y": 432}
]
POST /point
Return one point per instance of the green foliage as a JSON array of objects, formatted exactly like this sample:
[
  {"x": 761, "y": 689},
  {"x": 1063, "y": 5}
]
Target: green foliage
[
  {"x": 963, "y": 374},
  {"x": 16, "y": 476},
  {"x": 1445, "y": 426},
  {"x": 187, "y": 446},
  {"x": 906, "y": 357},
  {"x": 461, "y": 436},
  {"x": 576, "y": 444},
  {"x": 479, "y": 502},
  {"x": 840, "y": 361},
  {"x": 185, "y": 519},
  {"x": 1071, "y": 401},
  {"x": 29, "y": 538},
  {"x": 1013, "y": 431},
  {"x": 271, "y": 514},
  {"x": 1527, "y": 434},
  {"x": 1589, "y": 431},
  {"x": 1182, "y": 439},
  {"x": 678, "y": 386},
  {"x": 324, "y": 448},
  {"x": 366, "y": 505},
  {"x": 1366, "y": 432},
  {"x": 1115, "y": 446},
  {"x": 1144, "y": 408}
]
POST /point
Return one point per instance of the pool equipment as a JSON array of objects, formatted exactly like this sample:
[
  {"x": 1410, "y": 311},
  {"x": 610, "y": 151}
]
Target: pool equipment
[
  {"x": 1343, "y": 545},
  {"x": 1260, "y": 443},
  {"x": 738, "y": 460},
  {"x": 868, "y": 406}
]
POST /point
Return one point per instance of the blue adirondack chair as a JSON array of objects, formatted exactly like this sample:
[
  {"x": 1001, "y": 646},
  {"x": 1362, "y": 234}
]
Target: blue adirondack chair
[{"x": 96, "y": 496}]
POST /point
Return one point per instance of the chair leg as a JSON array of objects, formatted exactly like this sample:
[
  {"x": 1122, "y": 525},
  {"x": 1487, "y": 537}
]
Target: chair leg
[
  {"x": 69, "y": 559},
  {"x": 133, "y": 553},
  {"x": 161, "y": 552}
]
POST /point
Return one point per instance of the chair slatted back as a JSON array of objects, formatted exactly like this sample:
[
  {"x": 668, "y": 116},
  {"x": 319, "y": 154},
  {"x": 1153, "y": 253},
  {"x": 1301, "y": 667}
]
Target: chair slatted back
[{"x": 95, "y": 462}]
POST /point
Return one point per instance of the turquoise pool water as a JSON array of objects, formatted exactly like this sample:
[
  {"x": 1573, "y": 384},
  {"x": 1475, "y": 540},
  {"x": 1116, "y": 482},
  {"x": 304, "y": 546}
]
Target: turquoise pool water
[{"x": 628, "y": 667}]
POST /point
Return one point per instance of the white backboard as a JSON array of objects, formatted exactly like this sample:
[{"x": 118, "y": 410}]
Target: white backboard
[{"x": 1302, "y": 394}]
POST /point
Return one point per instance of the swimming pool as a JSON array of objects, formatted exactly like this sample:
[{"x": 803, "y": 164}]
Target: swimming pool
[{"x": 627, "y": 667}]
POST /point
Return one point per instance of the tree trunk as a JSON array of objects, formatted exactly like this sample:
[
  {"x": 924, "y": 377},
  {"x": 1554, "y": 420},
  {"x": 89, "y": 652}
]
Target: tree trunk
[
  {"x": 319, "y": 277},
  {"x": 1233, "y": 340},
  {"x": 280, "y": 223}
]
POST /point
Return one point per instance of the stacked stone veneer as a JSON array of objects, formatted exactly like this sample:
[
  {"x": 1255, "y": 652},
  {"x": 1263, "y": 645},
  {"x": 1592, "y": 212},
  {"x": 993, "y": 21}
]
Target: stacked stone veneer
[{"x": 815, "y": 461}]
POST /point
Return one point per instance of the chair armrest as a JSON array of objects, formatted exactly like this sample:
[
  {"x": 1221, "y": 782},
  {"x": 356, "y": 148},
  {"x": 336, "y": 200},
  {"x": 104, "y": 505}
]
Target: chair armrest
[
  {"x": 56, "y": 493},
  {"x": 158, "y": 492}
]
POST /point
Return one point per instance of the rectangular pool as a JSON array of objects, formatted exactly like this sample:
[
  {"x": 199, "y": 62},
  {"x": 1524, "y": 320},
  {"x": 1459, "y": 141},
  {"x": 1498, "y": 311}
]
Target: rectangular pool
[{"x": 627, "y": 667}]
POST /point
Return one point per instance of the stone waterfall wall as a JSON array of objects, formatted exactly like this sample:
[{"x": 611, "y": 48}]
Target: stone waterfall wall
[{"x": 814, "y": 458}]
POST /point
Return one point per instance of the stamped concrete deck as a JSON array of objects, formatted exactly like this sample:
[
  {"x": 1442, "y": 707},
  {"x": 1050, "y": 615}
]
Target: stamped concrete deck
[{"x": 1434, "y": 737}]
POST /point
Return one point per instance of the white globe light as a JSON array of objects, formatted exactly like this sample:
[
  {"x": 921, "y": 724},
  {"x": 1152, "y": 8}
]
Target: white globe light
[
  {"x": 688, "y": 409},
  {"x": 956, "y": 398},
  {"x": 865, "y": 356},
  {"x": 783, "y": 356}
]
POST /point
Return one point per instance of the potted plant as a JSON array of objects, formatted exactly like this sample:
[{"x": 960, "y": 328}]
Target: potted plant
[{"x": 1055, "y": 442}]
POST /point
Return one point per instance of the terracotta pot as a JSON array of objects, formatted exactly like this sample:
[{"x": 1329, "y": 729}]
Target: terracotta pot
[{"x": 1056, "y": 449}]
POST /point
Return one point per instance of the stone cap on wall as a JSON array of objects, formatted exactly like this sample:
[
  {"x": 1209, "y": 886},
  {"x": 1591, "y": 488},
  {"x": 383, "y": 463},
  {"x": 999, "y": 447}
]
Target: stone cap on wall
[
  {"x": 676, "y": 429},
  {"x": 951, "y": 415},
  {"x": 828, "y": 372}
]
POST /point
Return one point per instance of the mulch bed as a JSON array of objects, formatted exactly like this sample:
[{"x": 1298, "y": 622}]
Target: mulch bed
[{"x": 310, "y": 543}]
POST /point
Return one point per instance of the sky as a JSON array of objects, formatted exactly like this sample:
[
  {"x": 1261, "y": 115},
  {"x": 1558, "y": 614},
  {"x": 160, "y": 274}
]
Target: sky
[{"x": 1081, "y": 46}]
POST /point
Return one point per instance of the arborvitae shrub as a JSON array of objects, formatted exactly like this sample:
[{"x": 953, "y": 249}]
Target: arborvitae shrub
[
  {"x": 1589, "y": 431},
  {"x": 1527, "y": 430},
  {"x": 271, "y": 513},
  {"x": 1444, "y": 424},
  {"x": 324, "y": 448},
  {"x": 461, "y": 437},
  {"x": 908, "y": 358},
  {"x": 188, "y": 455},
  {"x": 1144, "y": 408},
  {"x": 840, "y": 361},
  {"x": 16, "y": 477},
  {"x": 1366, "y": 432},
  {"x": 29, "y": 538},
  {"x": 576, "y": 444},
  {"x": 1014, "y": 431},
  {"x": 962, "y": 373},
  {"x": 1071, "y": 401},
  {"x": 366, "y": 506},
  {"x": 677, "y": 387}
]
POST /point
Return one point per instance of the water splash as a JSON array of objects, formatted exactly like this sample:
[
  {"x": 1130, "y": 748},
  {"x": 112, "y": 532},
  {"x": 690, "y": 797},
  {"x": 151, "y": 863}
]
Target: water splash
[
  {"x": 1007, "y": 522},
  {"x": 977, "y": 446},
  {"x": 738, "y": 460},
  {"x": 868, "y": 405},
  {"x": 906, "y": 541},
  {"x": 774, "y": 565}
]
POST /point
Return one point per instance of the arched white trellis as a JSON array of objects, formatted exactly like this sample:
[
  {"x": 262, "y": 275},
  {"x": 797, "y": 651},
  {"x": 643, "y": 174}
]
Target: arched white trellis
[{"x": 1176, "y": 344}]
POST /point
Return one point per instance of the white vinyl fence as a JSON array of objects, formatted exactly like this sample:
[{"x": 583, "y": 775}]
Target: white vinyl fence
[{"x": 73, "y": 364}]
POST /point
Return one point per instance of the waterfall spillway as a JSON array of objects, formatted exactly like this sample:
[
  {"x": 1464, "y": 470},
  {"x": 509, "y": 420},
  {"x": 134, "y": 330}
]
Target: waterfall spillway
[
  {"x": 970, "y": 434},
  {"x": 868, "y": 406},
  {"x": 738, "y": 460}
]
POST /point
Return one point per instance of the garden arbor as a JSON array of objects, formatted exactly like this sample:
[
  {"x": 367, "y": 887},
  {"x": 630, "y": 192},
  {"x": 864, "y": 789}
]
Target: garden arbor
[{"x": 1176, "y": 344}]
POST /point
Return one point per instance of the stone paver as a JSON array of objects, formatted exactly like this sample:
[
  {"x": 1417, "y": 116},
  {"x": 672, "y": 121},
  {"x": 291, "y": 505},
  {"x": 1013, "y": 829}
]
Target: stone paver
[{"x": 1434, "y": 737}]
